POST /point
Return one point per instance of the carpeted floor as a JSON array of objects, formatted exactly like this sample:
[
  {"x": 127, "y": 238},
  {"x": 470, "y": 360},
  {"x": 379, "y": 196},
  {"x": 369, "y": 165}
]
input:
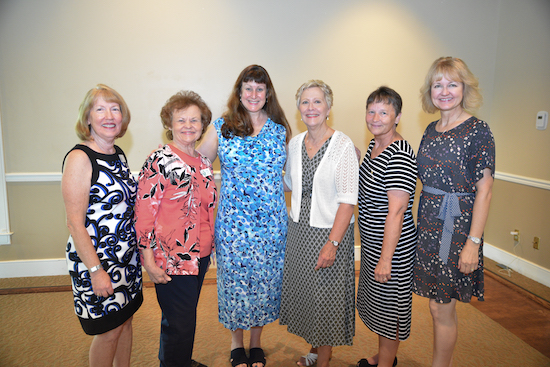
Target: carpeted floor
[{"x": 40, "y": 329}]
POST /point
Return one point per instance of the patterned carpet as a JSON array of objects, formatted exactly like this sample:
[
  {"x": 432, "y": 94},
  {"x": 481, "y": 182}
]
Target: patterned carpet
[{"x": 40, "y": 329}]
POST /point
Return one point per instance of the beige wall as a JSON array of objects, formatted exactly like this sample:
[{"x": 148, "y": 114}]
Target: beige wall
[
  {"x": 52, "y": 52},
  {"x": 521, "y": 89},
  {"x": 523, "y": 208}
]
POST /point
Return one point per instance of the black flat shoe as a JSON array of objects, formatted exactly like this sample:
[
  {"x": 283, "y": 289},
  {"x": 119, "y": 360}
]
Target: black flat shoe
[
  {"x": 197, "y": 364},
  {"x": 257, "y": 355},
  {"x": 238, "y": 356},
  {"x": 364, "y": 363}
]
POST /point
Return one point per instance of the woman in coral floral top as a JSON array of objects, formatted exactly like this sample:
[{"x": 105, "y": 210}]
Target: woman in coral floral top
[{"x": 175, "y": 223}]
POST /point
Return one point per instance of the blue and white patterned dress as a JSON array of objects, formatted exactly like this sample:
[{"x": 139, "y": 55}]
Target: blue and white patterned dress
[
  {"x": 251, "y": 227},
  {"x": 110, "y": 224}
]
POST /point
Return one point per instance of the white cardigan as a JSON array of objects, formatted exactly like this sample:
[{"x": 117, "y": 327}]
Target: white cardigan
[{"x": 335, "y": 181}]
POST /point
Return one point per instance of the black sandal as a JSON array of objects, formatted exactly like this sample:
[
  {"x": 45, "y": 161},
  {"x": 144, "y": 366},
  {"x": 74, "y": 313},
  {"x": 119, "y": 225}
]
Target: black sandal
[
  {"x": 238, "y": 356},
  {"x": 257, "y": 355},
  {"x": 364, "y": 363}
]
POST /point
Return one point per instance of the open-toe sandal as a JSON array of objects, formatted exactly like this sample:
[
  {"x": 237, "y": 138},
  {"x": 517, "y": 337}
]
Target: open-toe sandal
[
  {"x": 364, "y": 363},
  {"x": 238, "y": 356},
  {"x": 257, "y": 355},
  {"x": 309, "y": 359}
]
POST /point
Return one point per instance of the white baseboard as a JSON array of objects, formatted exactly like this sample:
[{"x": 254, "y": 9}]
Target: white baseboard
[
  {"x": 519, "y": 265},
  {"x": 33, "y": 268}
]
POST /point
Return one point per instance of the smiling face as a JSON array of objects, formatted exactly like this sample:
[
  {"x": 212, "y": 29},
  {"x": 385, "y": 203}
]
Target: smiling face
[
  {"x": 253, "y": 96},
  {"x": 447, "y": 94},
  {"x": 105, "y": 120},
  {"x": 186, "y": 126},
  {"x": 313, "y": 107},
  {"x": 381, "y": 119}
]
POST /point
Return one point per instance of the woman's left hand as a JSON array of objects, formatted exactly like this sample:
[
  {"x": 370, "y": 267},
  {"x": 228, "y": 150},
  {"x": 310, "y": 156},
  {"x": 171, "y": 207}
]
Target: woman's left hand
[
  {"x": 468, "y": 260},
  {"x": 326, "y": 256}
]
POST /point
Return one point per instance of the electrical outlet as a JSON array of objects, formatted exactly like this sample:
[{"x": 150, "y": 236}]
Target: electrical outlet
[
  {"x": 536, "y": 243},
  {"x": 515, "y": 233}
]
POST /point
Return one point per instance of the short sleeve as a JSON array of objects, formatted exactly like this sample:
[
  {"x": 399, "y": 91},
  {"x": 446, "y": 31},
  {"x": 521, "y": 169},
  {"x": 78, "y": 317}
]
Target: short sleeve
[
  {"x": 482, "y": 151},
  {"x": 401, "y": 170}
]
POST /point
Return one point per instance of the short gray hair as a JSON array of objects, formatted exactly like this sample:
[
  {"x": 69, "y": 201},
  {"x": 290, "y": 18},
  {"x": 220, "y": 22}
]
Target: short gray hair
[{"x": 315, "y": 83}]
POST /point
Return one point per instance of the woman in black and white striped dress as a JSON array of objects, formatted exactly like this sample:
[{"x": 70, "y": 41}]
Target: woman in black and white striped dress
[{"x": 387, "y": 182}]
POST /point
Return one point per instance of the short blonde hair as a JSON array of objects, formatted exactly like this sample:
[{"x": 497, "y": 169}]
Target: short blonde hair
[
  {"x": 315, "y": 84},
  {"x": 109, "y": 95},
  {"x": 454, "y": 69}
]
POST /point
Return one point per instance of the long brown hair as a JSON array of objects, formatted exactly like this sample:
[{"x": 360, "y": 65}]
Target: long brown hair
[{"x": 237, "y": 120}]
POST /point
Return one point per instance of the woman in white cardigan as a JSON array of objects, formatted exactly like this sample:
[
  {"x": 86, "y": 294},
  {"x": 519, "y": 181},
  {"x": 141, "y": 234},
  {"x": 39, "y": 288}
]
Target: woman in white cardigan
[{"x": 322, "y": 171}]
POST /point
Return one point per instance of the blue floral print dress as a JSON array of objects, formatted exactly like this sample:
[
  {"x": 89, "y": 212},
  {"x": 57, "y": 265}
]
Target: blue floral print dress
[{"x": 251, "y": 226}]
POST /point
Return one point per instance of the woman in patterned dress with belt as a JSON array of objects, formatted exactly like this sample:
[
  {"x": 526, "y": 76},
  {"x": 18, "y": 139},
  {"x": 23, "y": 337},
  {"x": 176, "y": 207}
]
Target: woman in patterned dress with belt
[
  {"x": 318, "y": 299},
  {"x": 456, "y": 165},
  {"x": 250, "y": 141}
]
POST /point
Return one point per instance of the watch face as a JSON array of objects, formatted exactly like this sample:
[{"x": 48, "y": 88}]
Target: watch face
[{"x": 475, "y": 240}]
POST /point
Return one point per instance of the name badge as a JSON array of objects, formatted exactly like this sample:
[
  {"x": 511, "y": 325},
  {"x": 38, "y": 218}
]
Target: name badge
[{"x": 206, "y": 172}]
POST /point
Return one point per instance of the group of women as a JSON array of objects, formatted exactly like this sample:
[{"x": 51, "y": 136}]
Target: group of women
[{"x": 299, "y": 269}]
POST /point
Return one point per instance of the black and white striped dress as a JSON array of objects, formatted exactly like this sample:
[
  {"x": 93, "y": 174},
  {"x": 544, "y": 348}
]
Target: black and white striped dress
[{"x": 385, "y": 308}]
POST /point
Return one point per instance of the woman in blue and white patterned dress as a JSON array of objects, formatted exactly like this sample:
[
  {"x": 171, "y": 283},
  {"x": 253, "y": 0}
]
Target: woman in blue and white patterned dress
[
  {"x": 99, "y": 194},
  {"x": 250, "y": 235}
]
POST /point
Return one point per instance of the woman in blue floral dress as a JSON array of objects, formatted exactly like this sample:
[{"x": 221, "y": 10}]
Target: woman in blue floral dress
[{"x": 251, "y": 224}]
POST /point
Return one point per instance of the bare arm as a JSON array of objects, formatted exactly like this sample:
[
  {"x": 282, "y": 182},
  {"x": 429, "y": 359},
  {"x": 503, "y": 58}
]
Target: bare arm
[
  {"x": 468, "y": 259},
  {"x": 397, "y": 205},
  {"x": 75, "y": 187},
  {"x": 208, "y": 146},
  {"x": 327, "y": 255}
]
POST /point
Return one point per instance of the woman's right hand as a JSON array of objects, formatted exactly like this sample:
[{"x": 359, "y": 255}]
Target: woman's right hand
[
  {"x": 382, "y": 272},
  {"x": 156, "y": 274}
]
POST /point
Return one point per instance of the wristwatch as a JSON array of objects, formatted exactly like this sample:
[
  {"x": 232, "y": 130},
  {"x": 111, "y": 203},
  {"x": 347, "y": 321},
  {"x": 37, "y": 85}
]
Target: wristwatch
[
  {"x": 335, "y": 243},
  {"x": 93, "y": 269},
  {"x": 475, "y": 240}
]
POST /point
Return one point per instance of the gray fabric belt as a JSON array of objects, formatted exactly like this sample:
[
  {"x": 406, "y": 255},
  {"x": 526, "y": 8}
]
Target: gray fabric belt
[{"x": 449, "y": 210}]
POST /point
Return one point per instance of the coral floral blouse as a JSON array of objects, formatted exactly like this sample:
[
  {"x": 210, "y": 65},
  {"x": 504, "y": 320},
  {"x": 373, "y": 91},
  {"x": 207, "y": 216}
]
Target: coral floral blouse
[{"x": 174, "y": 210}]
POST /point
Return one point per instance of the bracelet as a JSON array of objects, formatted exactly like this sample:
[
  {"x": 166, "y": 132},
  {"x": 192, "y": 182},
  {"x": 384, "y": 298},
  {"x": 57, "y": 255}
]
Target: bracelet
[{"x": 93, "y": 269}]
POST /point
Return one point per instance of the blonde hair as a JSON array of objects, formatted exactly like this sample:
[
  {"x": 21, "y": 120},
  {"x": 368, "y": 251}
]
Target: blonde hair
[
  {"x": 109, "y": 95},
  {"x": 454, "y": 69},
  {"x": 315, "y": 83}
]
